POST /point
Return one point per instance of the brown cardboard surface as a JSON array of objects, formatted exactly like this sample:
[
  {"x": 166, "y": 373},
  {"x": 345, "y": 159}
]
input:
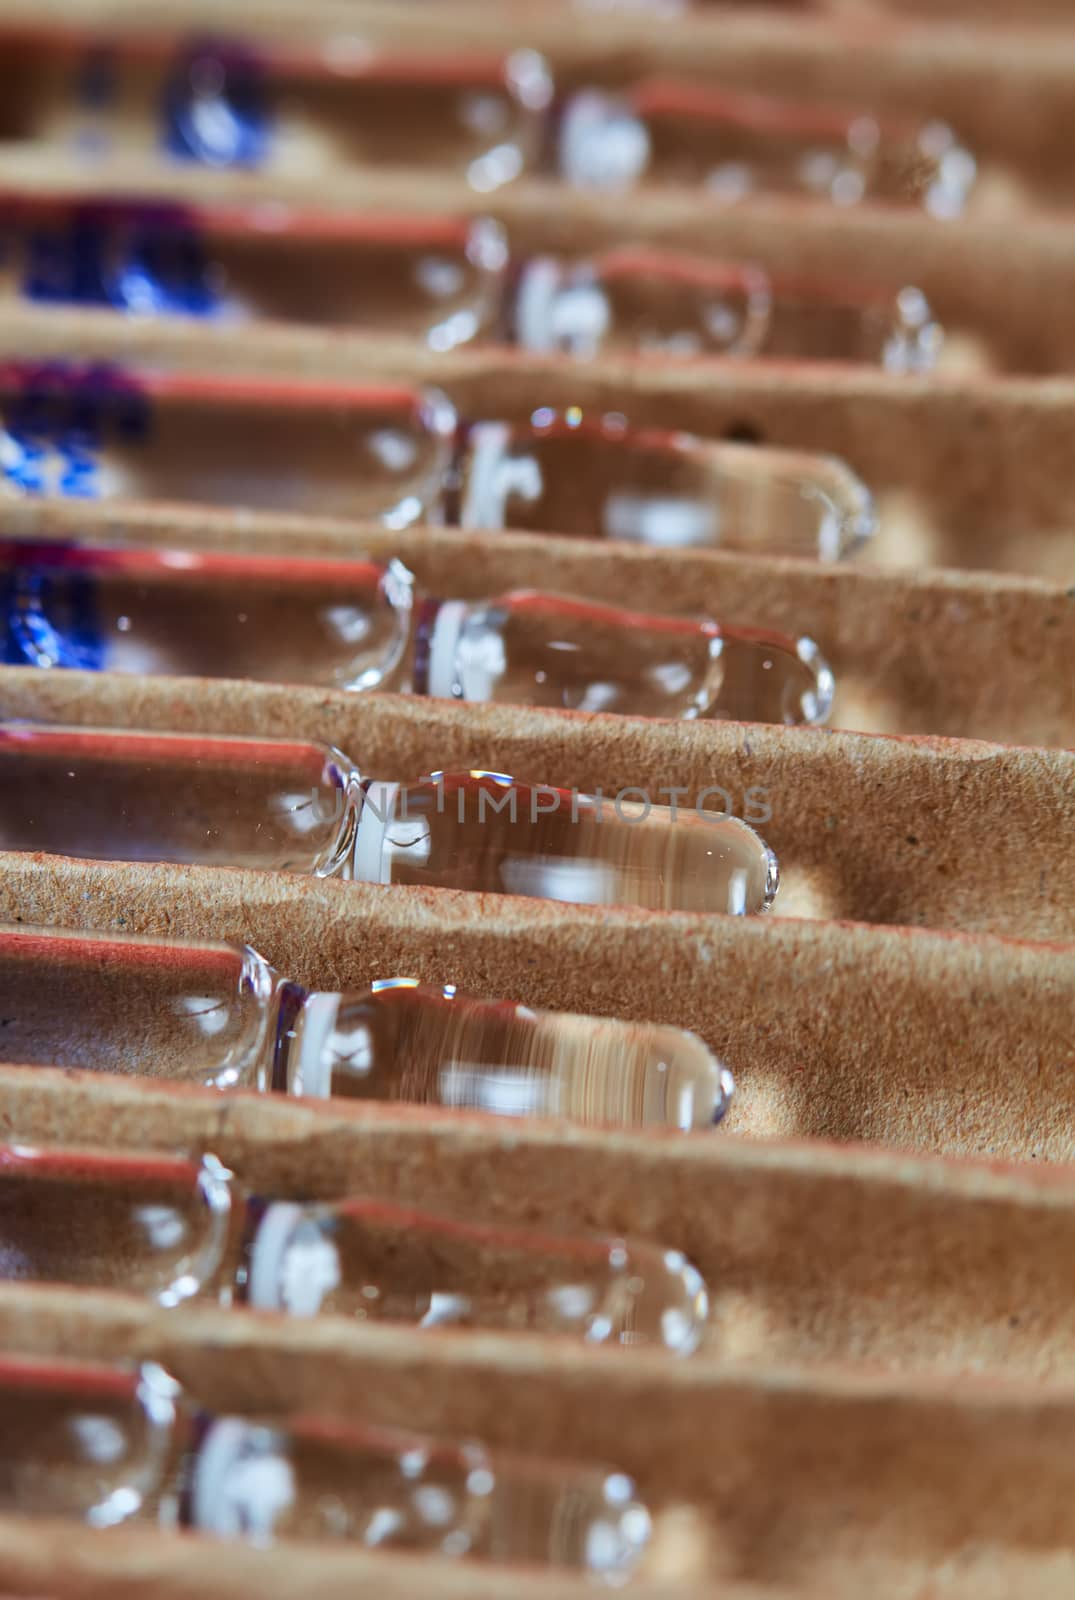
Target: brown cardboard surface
[
  {"x": 906, "y": 1038},
  {"x": 966, "y": 473},
  {"x": 961, "y": 654}
]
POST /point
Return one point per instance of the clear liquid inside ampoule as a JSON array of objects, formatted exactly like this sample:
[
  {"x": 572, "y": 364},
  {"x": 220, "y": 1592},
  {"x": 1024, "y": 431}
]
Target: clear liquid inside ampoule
[
  {"x": 319, "y": 1479},
  {"x": 642, "y": 301},
  {"x": 528, "y": 648},
  {"x": 374, "y": 1262},
  {"x": 341, "y": 624},
  {"x": 442, "y": 286},
  {"x": 671, "y": 491},
  {"x": 95, "y": 1443},
  {"x": 116, "y": 796},
  {"x": 148, "y": 1225},
  {"x": 201, "y": 1014},
  {"x": 433, "y": 1047},
  {"x": 481, "y": 832},
  {"x": 374, "y": 454}
]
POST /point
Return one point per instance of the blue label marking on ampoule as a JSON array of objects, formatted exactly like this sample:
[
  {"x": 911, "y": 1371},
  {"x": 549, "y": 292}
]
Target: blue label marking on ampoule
[
  {"x": 216, "y": 107},
  {"x": 144, "y": 259},
  {"x": 49, "y": 614},
  {"x": 55, "y": 420}
]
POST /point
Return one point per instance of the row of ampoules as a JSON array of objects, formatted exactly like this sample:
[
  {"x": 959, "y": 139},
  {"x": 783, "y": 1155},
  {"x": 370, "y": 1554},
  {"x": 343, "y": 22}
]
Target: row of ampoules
[
  {"x": 443, "y": 280},
  {"x": 357, "y": 625},
  {"x": 123, "y": 1443},
  {"x": 400, "y": 456},
  {"x": 323, "y": 108},
  {"x": 294, "y": 806}
]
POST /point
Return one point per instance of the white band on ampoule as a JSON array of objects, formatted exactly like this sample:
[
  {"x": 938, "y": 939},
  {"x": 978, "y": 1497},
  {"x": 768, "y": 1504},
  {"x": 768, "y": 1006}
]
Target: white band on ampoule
[
  {"x": 312, "y": 1071},
  {"x": 267, "y": 1254},
  {"x": 539, "y": 286},
  {"x": 485, "y": 498},
  {"x": 240, "y": 1484},
  {"x": 372, "y": 863},
  {"x": 443, "y": 681}
]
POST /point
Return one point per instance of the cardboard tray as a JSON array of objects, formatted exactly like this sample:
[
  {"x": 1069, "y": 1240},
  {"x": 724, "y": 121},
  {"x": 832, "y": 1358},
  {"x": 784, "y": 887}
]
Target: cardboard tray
[{"x": 886, "y": 1398}]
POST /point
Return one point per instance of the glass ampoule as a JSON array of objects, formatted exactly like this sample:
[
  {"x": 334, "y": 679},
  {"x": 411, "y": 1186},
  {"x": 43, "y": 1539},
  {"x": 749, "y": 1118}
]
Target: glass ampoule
[
  {"x": 438, "y": 279},
  {"x": 350, "y": 625},
  {"x": 596, "y": 477},
  {"x": 731, "y": 144},
  {"x": 218, "y": 1016},
  {"x": 109, "y": 1444},
  {"x": 173, "y": 1230},
  {"x": 112, "y": 795},
  {"x": 535, "y": 649},
  {"x": 662, "y": 302},
  {"x": 379, "y": 453},
  {"x": 287, "y": 111}
]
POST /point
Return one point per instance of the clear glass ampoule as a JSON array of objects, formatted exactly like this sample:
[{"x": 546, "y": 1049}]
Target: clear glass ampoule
[
  {"x": 106, "y": 1444},
  {"x": 596, "y": 477},
  {"x": 343, "y": 624},
  {"x": 218, "y": 1016},
  {"x": 109, "y": 795},
  {"x": 530, "y": 648},
  {"x": 732, "y": 144},
  {"x": 663, "y": 302},
  {"x": 349, "y": 625},
  {"x": 438, "y": 279},
  {"x": 334, "y": 450},
  {"x": 290, "y": 111},
  {"x": 173, "y": 1229}
]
